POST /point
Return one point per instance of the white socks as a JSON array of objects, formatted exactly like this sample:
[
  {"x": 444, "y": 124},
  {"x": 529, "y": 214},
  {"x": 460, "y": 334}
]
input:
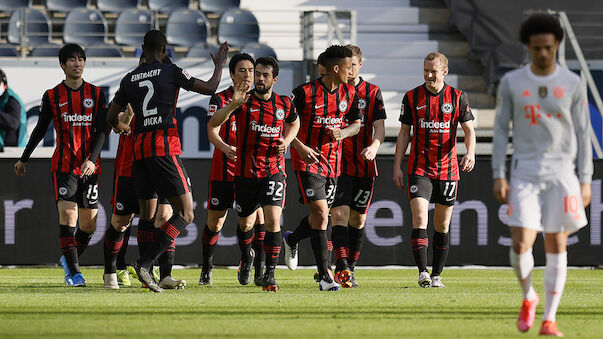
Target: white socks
[
  {"x": 523, "y": 264},
  {"x": 554, "y": 281}
]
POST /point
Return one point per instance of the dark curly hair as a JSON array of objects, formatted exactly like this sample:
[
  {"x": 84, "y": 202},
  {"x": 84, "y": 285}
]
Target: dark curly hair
[{"x": 540, "y": 23}]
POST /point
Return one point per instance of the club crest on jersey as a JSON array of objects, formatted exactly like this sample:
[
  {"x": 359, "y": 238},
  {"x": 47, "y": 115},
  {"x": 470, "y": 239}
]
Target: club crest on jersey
[
  {"x": 447, "y": 108},
  {"x": 119, "y": 206},
  {"x": 280, "y": 114},
  {"x": 343, "y": 106},
  {"x": 239, "y": 208},
  {"x": 413, "y": 189},
  {"x": 558, "y": 92},
  {"x": 88, "y": 103},
  {"x": 212, "y": 109},
  {"x": 361, "y": 104},
  {"x": 309, "y": 192},
  {"x": 543, "y": 91},
  {"x": 62, "y": 190},
  {"x": 215, "y": 201}
]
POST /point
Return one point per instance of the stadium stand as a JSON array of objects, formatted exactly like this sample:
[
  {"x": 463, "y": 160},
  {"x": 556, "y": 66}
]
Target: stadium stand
[
  {"x": 239, "y": 27},
  {"x": 131, "y": 26},
  {"x": 35, "y": 28},
  {"x": 166, "y": 6},
  {"x": 66, "y": 5},
  {"x": 9, "y": 5},
  {"x": 256, "y": 49},
  {"x": 85, "y": 27},
  {"x": 46, "y": 50},
  {"x": 116, "y": 5},
  {"x": 7, "y": 50},
  {"x": 202, "y": 50},
  {"x": 104, "y": 51},
  {"x": 218, "y": 6},
  {"x": 186, "y": 27}
]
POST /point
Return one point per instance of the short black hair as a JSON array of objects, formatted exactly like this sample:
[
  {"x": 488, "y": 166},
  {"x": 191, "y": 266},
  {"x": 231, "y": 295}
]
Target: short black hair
[
  {"x": 154, "y": 40},
  {"x": 3, "y": 78},
  {"x": 540, "y": 23},
  {"x": 268, "y": 61},
  {"x": 232, "y": 65},
  {"x": 334, "y": 54},
  {"x": 321, "y": 59},
  {"x": 71, "y": 51}
]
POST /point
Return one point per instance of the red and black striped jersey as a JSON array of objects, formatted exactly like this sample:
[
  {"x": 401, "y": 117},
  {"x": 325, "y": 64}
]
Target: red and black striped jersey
[
  {"x": 222, "y": 168},
  {"x": 434, "y": 119},
  {"x": 152, "y": 91},
  {"x": 125, "y": 154},
  {"x": 259, "y": 129},
  {"x": 370, "y": 104},
  {"x": 77, "y": 115},
  {"x": 320, "y": 109}
]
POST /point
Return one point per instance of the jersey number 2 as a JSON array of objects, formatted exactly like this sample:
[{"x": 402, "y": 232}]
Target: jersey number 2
[{"x": 145, "y": 103}]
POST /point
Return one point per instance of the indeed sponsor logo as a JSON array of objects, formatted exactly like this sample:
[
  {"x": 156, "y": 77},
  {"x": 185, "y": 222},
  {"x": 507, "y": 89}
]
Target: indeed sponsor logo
[
  {"x": 75, "y": 117},
  {"x": 265, "y": 129},
  {"x": 434, "y": 124},
  {"x": 329, "y": 121}
]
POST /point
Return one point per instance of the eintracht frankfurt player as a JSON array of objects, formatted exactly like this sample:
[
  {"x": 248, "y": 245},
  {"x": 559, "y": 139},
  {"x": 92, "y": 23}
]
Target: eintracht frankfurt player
[
  {"x": 152, "y": 90},
  {"x": 77, "y": 110},
  {"x": 433, "y": 110},
  {"x": 267, "y": 123},
  {"x": 358, "y": 172},
  {"x": 221, "y": 193},
  {"x": 551, "y": 167},
  {"x": 323, "y": 105}
]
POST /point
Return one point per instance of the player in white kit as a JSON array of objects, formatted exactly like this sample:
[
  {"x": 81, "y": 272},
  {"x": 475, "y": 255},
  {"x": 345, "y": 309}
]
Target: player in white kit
[{"x": 551, "y": 168}]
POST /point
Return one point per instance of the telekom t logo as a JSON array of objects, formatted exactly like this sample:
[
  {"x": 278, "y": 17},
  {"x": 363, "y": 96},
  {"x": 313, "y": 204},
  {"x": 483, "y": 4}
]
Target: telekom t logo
[{"x": 534, "y": 112}]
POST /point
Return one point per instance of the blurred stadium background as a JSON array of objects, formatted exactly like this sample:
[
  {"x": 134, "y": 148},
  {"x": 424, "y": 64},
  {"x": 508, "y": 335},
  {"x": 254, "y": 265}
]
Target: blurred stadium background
[{"x": 479, "y": 38}]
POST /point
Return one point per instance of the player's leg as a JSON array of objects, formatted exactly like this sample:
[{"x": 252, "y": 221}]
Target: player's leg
[
  {"x": 420, "y": 190},
  {"x": 272, "y": 245},
  {"x": 123, "y": 276},
  {"x": 555, "y": 274},
  {"x": 125, "y": 206},
  {"x": 340, "y": 215},
  {"x": 319, "y": 213},
  {"x": 258, "y": 247},
  {"x": 302, "y": 231},
  {"x": 112, "y": 243},
  {"x": 356, "y": 224},
  {"x": 87, "y": 200},
  {"x": 441, "y": 241},
  {"x": 67, "y": 225},
  {"x": 209, "y": 239},
  {"x": 245, "y": 236},
  {"x": 166, "y": 260}
]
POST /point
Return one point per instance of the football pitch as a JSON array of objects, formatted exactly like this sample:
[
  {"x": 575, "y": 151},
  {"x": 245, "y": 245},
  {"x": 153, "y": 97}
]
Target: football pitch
[{"x": 475, "y": 303}]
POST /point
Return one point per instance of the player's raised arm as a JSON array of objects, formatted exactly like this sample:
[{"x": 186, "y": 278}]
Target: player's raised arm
[
  {"x": 210, "y": 86},
  {"x": 239, "y": 97}
]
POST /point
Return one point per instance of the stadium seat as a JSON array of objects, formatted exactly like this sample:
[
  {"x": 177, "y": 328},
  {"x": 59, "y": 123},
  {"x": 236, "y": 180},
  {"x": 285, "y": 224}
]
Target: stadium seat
[
  {"x": 238, "y": 27},
  {"x": 257, "y": 50},
  {"x": 116, "y": 5},
  {"x": 218, "y": 6},
  {"x": 186, "y": 27},
  {"x": 202, "y": 50},
  {"x": 65, "y": 5},
  {"x": 9, "y": 5},
  {"x": 7, "y": 50},
  {"x": 37, "y": 31},
  {"x": 131, "y": 26},
  {"x": 85, "y": 27},
  {"x": 166, "y": 6},
  {"x": 45, "y": 50},
  {"x": 104, "y": 50}
]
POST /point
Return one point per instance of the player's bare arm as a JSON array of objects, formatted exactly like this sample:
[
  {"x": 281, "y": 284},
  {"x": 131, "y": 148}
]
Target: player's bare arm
[
  {"x": 213, "y": 134},
  {"x": 239, "y": 96},
  {"x": 113, "y": 119},
  {"x": 307, "y": 154},
  {"x": 210, "y": 86},
  {"x": 401, "y": 146},
  {"x": 468, "y": 161},
  {"x": 342, "y": 133},
  {"x": 586, "y": 190},
  {"x": 370, "y": 152},
  {"x": 44, "y": 119},
  {"x": 501, "y": 190},
  {"x": 291, "y": 130}
]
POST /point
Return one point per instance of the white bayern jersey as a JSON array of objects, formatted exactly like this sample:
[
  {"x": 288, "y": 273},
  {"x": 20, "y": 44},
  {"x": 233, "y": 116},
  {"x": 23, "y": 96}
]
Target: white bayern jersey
[{"x": 551, "y": 125}]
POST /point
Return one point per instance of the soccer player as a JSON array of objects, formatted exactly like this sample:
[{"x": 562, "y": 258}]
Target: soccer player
[
  {"x": 77, "y": 110},
  {"x": 261, "y": 116},
  {"x": 221, "y": 184},
  {"x": 322, "y": 105},
  {"x": 433, "y": 110},
  {"x": 152, "y": 90},
  {"x": 359, "y": 169},
  {"x": 552, "y": 164}
]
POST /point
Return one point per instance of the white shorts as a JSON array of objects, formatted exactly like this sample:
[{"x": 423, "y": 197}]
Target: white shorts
[{"x": 550, "y": 206}]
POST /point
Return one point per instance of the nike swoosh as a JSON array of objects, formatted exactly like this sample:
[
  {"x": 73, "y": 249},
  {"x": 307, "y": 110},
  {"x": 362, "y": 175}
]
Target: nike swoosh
[
  {"x": 254, "y": 110},
  {"x": 276, "y": 199},
  {"x": 421, "y": 107},
  {"x": 63, "y": 104},
  {"x": 317, "y": 107},
  {"x": 449, "y": 199}
]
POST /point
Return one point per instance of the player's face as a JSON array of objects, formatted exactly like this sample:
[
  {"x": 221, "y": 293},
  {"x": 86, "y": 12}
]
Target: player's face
[
  {"x": 243, "y": 72},
  {"x": 322, "y": 70},
  {"x": 263, "y": 78},
  {"x": 542, "y": 49},
  {"x": 74, "y": 67},
  {"x": 355, "y": 68},
  {"x": 434, "y": 73},
  {"x": 344, "y": 69}
]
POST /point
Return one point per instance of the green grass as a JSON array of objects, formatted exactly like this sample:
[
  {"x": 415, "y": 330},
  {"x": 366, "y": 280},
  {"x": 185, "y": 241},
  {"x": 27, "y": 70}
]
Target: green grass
[{"x": 475, "y": 303}]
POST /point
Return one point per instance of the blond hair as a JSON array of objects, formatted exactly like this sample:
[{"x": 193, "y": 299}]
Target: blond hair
[
  {"x": 356, "y": 51},
  {"x": 436, "y": 55}
]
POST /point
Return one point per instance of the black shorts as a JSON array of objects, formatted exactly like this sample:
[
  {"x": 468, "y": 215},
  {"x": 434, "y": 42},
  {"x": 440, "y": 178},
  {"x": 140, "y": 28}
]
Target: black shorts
[
  {"x": 252, "y": 193},
  {"x": 313, "y": 187},
  {"x": 354, "y": 192},
  {"x": 165, "y": 176},
  {"x": 124, "y": 196},
  {"x": 220, "y": 195},
  {"x": 441, "y": 192},
  {"x": 70, "y": 187}
]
